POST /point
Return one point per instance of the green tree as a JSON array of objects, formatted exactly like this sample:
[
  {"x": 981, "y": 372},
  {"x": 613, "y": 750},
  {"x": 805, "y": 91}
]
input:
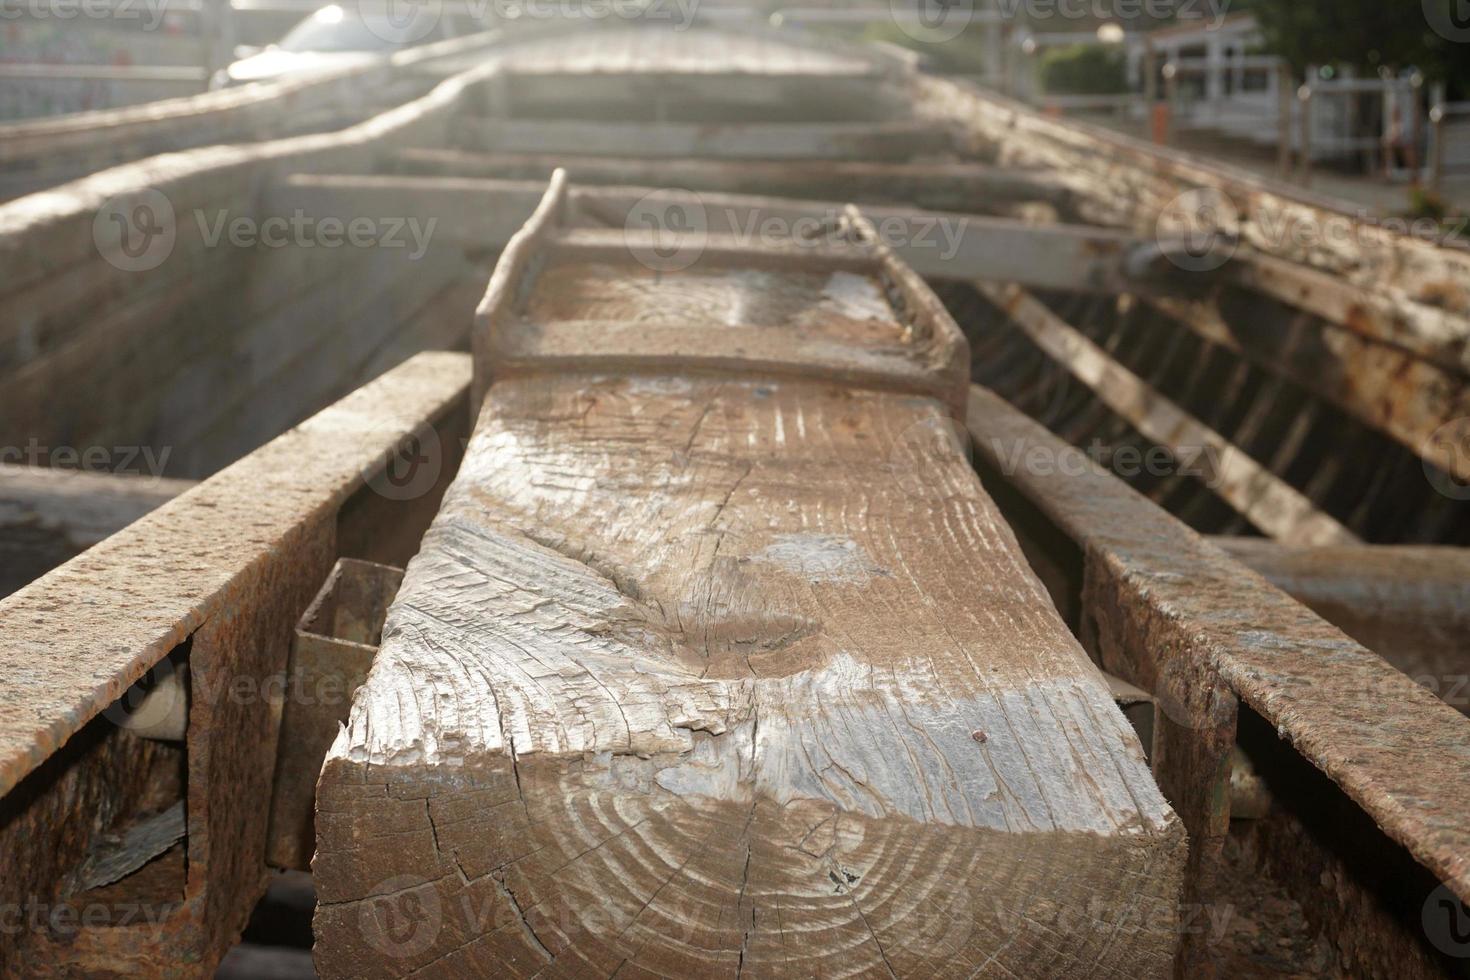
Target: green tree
[{"x": 1368, "y": 34}]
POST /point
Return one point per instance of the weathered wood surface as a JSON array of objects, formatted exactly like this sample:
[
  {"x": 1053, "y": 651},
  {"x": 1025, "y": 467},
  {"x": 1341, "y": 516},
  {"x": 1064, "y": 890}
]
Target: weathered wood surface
[
  {"x": 1409, "y": 604},
  {"x": 952, "y": 186},
  {"x": 706, "y": 671},
  {"x": 1266, "y": 500},
  {"x": 49, "y": 151},
  {"x": 889, "y": 140},
  {"x": 481, "y": 214},
  {"x": 1174, "y": 615},
  {"x": 216, "y": 578}
]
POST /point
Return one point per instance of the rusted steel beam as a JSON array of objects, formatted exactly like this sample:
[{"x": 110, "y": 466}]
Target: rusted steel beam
[
  {"x": 1166, "y": 610},
  {"x": 49, "y": 516},
  {"x": 1408, "y": 603},
  {"x": 211, "y": 582},
  {"x": 335, "y": 643},
  {"x": 1267, "y": 501}
]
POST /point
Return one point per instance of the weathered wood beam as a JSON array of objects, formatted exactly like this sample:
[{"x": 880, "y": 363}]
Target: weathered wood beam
[
  {"x": 893, "y": 140},
  {"x": 212, "y": 581},
  {"x": 481, "y": 215},
  {"x": 1383, "y": 315},
  {"x": 1165, "y": 610},
  {"x": 1267, "y": 501},
  {"x": 1410, "y": 604},
  {"x": 49, "y": 516},
  {"x": 706, "y": 669},
  {"x": 44, "y": 152},
  {"x": 1394, "y": 390},
  {"x": 943, "y": 186}
]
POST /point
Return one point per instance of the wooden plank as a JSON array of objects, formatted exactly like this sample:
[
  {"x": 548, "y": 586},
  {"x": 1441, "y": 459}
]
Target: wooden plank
[
  {"x": 215, "y": 579},
  {"x": 896, "y": 140},
  {"x": 1409, "y": 399},
  {"x": 707, "y": 669},
  {"x": 1410, "y": 604},
  {"x": 802, "y": 325},
  {"x": 482, "y": 214},
  {"x": 1267, "y": 501},
  {"x": 1167, "y": 611},
  {"x": 944, "y": 186},
  {"x": 56, "y": 146}
]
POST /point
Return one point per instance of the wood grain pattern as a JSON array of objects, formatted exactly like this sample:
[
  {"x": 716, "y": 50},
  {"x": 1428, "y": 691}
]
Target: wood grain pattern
[{"x": 718, "y": 670}]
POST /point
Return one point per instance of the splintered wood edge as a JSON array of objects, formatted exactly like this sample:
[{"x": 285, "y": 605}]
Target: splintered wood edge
[{"x": 506, "y": 281}]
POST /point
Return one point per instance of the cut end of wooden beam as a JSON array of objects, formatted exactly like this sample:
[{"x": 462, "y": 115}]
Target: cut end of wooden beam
[{"x": 765, "y": 712}]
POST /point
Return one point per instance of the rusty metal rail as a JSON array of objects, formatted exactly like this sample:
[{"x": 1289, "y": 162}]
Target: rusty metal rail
[
  {"x": 1163, "y": 609},
  {"x": 212, "y": 582}
]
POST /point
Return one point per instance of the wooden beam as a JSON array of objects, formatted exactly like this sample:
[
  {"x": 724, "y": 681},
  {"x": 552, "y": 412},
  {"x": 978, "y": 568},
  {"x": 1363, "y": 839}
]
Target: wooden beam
[
  {"x": 1392, "y": 389},
  {"x": 1267, "y": 501},
  {"x": 900, "y": 140},
  {"x": 943, "y": 186},
  {"x": 706, "y": 668},
  {"x": 49, "y": 516},
  {"x": 1166, "y": 611},
  {"x": 211, "y": 583},
  {"x": 1381, "y": 314},
  {"x": 1410, "y": 604},
  {"x": 481, "y": 215}
]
